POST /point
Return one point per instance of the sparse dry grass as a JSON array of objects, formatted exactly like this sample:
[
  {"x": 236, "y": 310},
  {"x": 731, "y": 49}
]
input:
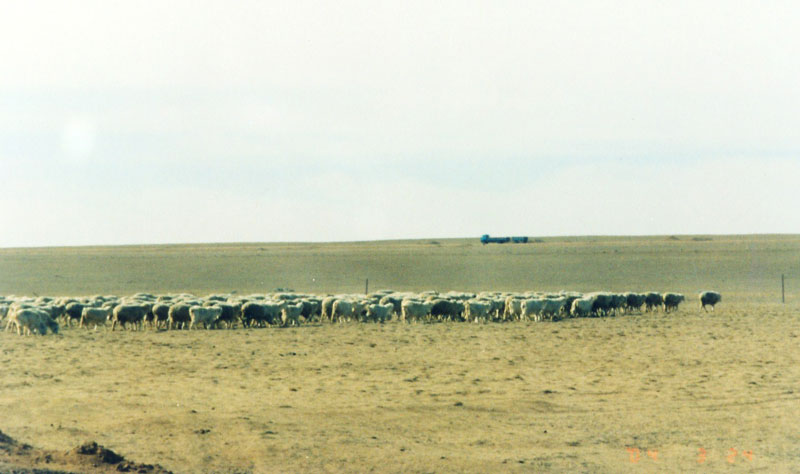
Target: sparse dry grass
[
  {"x": 441, "y": 397},
  {"x": 749, "y": 266},
  {"x": 454, "y": 397}
]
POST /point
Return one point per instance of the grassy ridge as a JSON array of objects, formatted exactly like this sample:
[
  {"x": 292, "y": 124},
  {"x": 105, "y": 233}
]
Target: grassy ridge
[{"x": 747, "y": 266}]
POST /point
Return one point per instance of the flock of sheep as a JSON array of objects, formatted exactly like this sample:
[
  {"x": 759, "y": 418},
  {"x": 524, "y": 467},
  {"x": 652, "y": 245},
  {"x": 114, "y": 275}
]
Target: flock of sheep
[{"x": 42, "y": 314}]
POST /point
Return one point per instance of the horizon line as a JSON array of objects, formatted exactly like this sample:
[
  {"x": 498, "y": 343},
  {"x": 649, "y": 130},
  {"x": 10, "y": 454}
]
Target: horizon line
[{"x": 413, "y": 239}]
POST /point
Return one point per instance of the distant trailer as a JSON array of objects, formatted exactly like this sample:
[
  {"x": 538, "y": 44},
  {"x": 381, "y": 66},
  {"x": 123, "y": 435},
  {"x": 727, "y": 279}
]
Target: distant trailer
[{"x": 486, "y": 239}]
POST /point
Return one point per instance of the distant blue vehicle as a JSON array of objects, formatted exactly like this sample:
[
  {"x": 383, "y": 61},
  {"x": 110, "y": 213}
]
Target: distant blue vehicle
[{"x": 485, "y": 239}]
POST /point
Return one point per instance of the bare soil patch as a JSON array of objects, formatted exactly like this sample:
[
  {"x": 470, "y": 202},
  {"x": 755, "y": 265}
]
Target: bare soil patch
[{"x": 581, "y": 395}]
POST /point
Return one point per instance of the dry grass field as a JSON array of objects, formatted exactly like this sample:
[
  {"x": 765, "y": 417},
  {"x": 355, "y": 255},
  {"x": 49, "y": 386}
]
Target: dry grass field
[{"x": 648, "y": 392}]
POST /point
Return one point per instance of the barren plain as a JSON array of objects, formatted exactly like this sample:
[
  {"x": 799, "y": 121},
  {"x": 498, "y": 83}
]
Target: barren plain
[{"x": 677, "y": 392}]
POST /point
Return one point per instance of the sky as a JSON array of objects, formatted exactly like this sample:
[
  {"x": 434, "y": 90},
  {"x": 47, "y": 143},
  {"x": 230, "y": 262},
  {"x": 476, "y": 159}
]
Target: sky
[{"x": 260, "y": 121}]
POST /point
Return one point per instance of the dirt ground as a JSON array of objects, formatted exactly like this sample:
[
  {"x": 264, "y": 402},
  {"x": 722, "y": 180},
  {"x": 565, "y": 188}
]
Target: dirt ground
[
  {"x": 579, "y": 395},
  {"x": 648, "y": 392}
]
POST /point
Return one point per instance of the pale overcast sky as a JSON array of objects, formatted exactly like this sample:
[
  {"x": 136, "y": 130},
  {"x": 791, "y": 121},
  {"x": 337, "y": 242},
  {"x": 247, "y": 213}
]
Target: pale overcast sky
[{"x": 199, "y": 121}]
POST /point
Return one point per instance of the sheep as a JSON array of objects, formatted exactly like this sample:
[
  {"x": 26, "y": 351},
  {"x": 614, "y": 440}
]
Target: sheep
[
  {"x": 475, "y": 310},
  {"x": 311, "y": 308},
  {"x": 671, "y": 301},
  {"x": 52, "y": 310},
  {"x": 569, "y": 297},
  {"x": 290, "y": 314},
  {"x": 206, "y": 315},
  {"x": 160, "y": 314},
  {"x": 414, "y": 310},
  {"x": 582, "y": 306},
  {"x": 11, "y": 315},
  {"x": 531, "y": 309},
  {"x": 601, "y": 302},
  {"x": 617, "y": 302},
  {"x": 709, "y": 298},
  {"x": 272, "y": 312},
  {"x": 652, "y": 301},
  {"x": 253, "y": 313},
  {"x": 383, "y": 292},
  {"x": 342, "y": 309},
  {"x": 70, "y": 310},
  {"x": 217, "y": 298},
  {"x": 327, "y": 308},
  {"x": 51, "y": 324},
  {"x": 553, "y": 307},
  {"x": 459, "y": 296},
  {"x": 428, "y": 294},
  {"x": 394, "y": 300},
  {"x": 498, "y": 303},
  {"x": 380, "y": 312},
  {"x": 28, "y": 320},
  {"x": 513, "y": 308},
  {"x": 634, "y": 301},
  {"x": 282, "y": 308},
  {"x": 178, "y": 316},
  {"x": 348, "y": 309},
  {"x": 284, "y": 296},
  {"x": 94, "y": 316},
  {"x": 447, "y": 309},
  {"x": 360, "y": 309},
  {"x": 13, "y": 308},
  {"x": 229, "y": 314},
  {"x": 128, "y": 313},
  {"x": 143, "y": 297}
]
